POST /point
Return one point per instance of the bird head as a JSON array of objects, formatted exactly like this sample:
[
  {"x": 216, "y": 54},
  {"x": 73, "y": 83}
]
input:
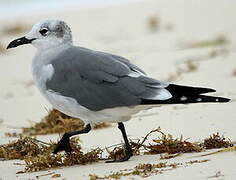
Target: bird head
[{"x": 45, "y": 34}]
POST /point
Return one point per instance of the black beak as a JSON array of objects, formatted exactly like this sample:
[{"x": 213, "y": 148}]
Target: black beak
[{"x": 18, "y": 42}]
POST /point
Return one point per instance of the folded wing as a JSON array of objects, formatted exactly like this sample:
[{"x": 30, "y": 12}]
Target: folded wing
[{"x": 99, "y": 80}]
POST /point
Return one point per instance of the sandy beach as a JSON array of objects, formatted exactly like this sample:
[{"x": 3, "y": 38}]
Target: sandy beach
[{"x": 186, "y": 42}]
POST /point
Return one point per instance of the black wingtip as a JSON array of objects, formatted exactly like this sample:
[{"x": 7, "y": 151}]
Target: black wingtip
[
  {"x": 210, "y": 90},
  {"x": 221, "y": 99},
  {"x": 189, "y": 99},
  {"x": 183, "y": 90}
]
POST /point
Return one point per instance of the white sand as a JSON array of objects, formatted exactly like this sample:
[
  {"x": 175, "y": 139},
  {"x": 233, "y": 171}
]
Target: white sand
[{"x": 124, "y": 30}]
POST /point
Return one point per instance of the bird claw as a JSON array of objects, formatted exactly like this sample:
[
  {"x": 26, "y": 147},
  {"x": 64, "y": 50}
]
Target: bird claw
[
  {"x": 127, "y": 154},
  {"x": 63, "y": 145}
]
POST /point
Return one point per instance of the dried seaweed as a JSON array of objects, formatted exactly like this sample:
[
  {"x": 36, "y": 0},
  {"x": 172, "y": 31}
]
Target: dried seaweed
[
  {"x": 55, "y": 122},
  {"x": 23, "y": 147},
  {"x": 101, "y": 125},
  {"x": 145, "y": 170},
  {"x": 217, "y": 41},
  {"x": 38, "y": 155},
  {"x": 142, "y": 170},
  {"x": 167, "y": 144},
  {"x": 170, "y": 145},
  {"x": 118, "y": 151},
  {"x": 48, "y": 160},
  {"x": 153, "y": 23},
  {"x": 216, "y": 141},
  {"x": 56, "y": 176},
  {"x": 234, "y": 73},
  {"x": 15, "y": 29},
  {"x": 2, "y": 48}
]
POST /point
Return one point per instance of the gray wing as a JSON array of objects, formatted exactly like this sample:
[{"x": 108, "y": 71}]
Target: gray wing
[{"x": 98, "y": 80}]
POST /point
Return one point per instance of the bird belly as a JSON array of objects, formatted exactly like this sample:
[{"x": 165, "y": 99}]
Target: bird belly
[{"x": 71, "y": 107}]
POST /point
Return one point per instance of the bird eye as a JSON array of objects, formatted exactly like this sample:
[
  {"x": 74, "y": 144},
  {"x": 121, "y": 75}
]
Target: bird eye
[{"x": 43, "y": 31}]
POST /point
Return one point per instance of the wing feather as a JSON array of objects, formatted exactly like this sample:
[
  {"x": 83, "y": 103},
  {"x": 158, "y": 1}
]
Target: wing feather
[{"x": 99, "y": 80}]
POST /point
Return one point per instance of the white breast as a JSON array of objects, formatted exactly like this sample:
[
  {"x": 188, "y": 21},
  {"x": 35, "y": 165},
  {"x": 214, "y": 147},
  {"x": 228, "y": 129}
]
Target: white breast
[{"x": 41, "y": 75}]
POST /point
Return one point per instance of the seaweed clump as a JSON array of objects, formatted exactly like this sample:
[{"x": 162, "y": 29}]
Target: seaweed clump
[
  {"x": 216, "y": 141},
  {"x": 48, "y": 161},
  {"x": 170, "y": 145},
  {"x": 166, "y": 143},
  {"x": 54, "y": 122},
  {"x": 21, "y": 148},
  {"x": 38, "y": 155},
  {"x": 57, "y": 122}
]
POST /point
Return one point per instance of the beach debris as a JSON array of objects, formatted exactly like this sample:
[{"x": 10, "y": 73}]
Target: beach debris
[
  {"x": 197, "y": 161},
  {"x": 142, "y": 170},
  {"x": 191, "y": 64},
  {"x": 15, "y": 29},
  {"x": 218, "y": 174},
  {"x": 153, "y": 23},
  {"x": 48, "y": 161},
  {"x": 56, "y": 122},
  {"x": 21, "y": 148},
  {"x": 56, "y": 176},
  {"x": 217, "y": 41},
  {"x": 2, "y": 48},
  {"x": 47, "y": 174},
  {"x": 187, "y": 67},
  {"x": 170, "y": 145},
  {"x": 12, "y": 134},
  {"x": 228, "y": 149},
  {"x": 38, "y": 156},
  {"x": 216, "y": 141},
  {"x": 169, "y": 156},
  {"x": 101, "y": 125},
  {"x": 118, "y": 151},
  {"x": 145, "y": 170},
  {"x": 234, "y": 73}
]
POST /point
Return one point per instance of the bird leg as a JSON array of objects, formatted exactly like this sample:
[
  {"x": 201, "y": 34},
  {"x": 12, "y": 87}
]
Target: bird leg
[
  {"x": 127, "y": 151},
  {"x": 64, "y": 143}
]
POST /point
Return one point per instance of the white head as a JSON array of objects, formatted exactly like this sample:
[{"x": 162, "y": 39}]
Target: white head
[{"x": 46, "y": 34}]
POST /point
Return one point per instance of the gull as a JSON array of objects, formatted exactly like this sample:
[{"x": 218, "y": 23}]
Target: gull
[{"x": 97, "y": 86}]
